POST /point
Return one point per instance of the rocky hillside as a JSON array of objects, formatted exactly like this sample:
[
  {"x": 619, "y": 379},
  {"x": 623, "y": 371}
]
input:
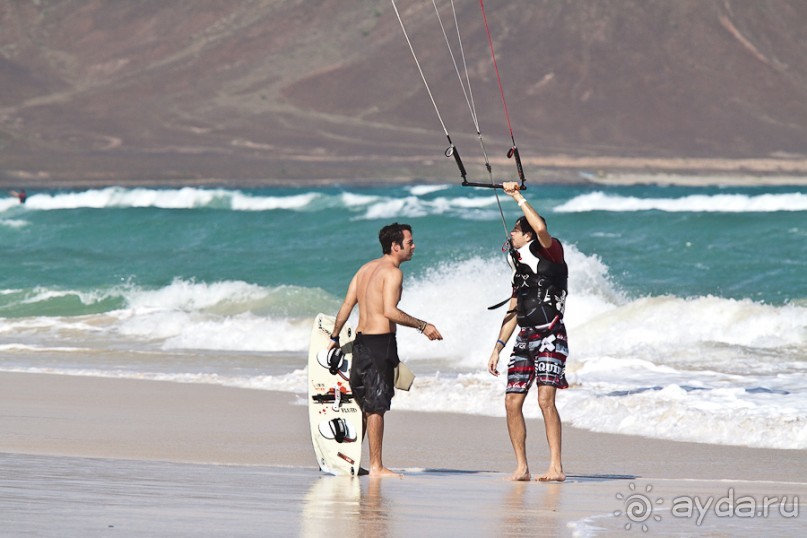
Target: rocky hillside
[{"x": 207, "y": 91}]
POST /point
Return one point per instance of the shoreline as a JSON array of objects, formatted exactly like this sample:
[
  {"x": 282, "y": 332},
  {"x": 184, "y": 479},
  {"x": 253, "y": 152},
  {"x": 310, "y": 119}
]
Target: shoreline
[
  {"x": 85, "y": 456},
  {"x": 554, "y": 169},
  {"x": 82, "y": 416}
]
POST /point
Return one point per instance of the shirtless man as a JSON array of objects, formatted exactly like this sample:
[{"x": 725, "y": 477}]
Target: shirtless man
[
  {"x": 376, "y": 288},
  {"x": 539, "y": 355}
]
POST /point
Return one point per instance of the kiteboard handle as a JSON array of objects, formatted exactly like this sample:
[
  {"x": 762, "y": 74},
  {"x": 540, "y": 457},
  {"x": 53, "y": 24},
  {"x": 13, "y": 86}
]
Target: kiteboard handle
[{"x": 521, "y": 187}]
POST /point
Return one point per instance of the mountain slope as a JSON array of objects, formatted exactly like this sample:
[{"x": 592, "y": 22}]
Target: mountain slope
[{"x": 213, "y": 90}]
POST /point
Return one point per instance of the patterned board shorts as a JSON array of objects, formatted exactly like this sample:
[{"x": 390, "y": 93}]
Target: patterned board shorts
[{"x": 539, "y": 356}]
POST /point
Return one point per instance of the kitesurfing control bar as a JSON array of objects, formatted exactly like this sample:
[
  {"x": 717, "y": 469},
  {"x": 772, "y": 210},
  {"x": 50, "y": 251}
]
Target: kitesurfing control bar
[
  {"x": 489, "y": 185},
  {"x": 513, "y": 153}
]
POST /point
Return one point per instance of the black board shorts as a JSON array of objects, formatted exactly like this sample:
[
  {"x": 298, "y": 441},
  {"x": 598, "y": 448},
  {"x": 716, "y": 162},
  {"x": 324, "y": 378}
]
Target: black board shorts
[{"x": 372, "y": 374}]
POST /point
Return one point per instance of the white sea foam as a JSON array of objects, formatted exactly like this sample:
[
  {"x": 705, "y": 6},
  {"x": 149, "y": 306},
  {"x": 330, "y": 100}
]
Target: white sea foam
[
  {"x": 674, "y": 325},
  {"x": 189, "y": 296},
  {"x": 233, "y": 316},
  {"x": 726, "y": 413},
  {"x": 119, "y": 197},
  {"x": 721, "y": 203},
  {"x": 240, "y": 316},
  {"x": 465, "y": 207},
  {"x": 39, "y": 349},
  {"x": 704, "y": 369},
  {"x": 13, "y": 223},
  {"x": 350, "y": 199},
  {"x": 243, "y": 202},
  {"x": 421, "y": 190},
  {"x": 280, "y": 383},
  {"x": 418, "y": 203},
  {"x": 185, "y": 198}
]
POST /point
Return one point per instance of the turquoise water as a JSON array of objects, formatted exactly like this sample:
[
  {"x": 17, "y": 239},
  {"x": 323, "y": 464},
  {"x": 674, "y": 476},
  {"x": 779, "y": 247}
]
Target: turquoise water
[
  {"x": 755, "y": 247},
  {"x": 687, "y": 312}
]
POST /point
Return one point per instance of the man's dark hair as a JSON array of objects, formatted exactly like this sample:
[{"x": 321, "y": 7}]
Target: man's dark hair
[
  {"x": 524, "y": 225},
  {"x": 392, "y": 233}
]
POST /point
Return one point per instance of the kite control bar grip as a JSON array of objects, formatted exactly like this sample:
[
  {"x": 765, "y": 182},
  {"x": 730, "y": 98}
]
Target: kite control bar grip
[{"x": 521, "y": 187}]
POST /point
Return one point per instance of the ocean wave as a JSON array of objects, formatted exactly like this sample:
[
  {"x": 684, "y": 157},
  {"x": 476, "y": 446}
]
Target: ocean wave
[
  {"x": 716, "y": 409},
  {"x": 237, "y": 315},
  {"x": 41, "y": 301},
  {"x": 421, "y": 190},
  {"x": 704, "y": 369},
  {"x": 412, "y": 202},
  {"x": 724, "y": 411},
  {"x": 418, "y": 202},
  {"x": 184, "y": 198},
  {"x": 716, "y": 203},
  {"x": 13, "y": 223}
]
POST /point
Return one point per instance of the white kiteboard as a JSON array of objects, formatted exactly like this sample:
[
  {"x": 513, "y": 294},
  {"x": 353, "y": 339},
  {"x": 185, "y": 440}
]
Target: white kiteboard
[{"x": 333, "y": 414}]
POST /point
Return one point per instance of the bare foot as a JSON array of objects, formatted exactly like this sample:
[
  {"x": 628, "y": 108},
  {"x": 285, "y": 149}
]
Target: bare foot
[
  {"x": 384, "y": 473},
  {"x": 552, "y": 475},
  {"x": 520, "y": 475}
]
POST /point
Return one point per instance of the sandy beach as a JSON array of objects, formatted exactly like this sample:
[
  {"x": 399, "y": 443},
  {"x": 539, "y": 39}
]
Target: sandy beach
[{"x": 84, "y": 456}]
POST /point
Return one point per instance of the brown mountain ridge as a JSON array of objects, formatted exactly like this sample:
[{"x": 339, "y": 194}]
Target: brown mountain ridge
[{"x": 212, "y": 91}]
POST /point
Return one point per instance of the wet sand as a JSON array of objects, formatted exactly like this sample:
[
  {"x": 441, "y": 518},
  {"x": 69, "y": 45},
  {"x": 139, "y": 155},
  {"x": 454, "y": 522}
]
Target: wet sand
[{"x": 85, "y": 456}]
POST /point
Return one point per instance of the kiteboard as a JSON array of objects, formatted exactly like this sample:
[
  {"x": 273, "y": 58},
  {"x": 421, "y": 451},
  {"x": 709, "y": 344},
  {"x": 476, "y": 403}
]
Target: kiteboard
[{"x": 333, "y": 414}]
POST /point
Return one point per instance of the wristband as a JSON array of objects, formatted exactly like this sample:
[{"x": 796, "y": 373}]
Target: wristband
[
  {"x": 334, "y": 339},
  {"x": 522, "y": 202},
  {"x": 502, "y": 343}
]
